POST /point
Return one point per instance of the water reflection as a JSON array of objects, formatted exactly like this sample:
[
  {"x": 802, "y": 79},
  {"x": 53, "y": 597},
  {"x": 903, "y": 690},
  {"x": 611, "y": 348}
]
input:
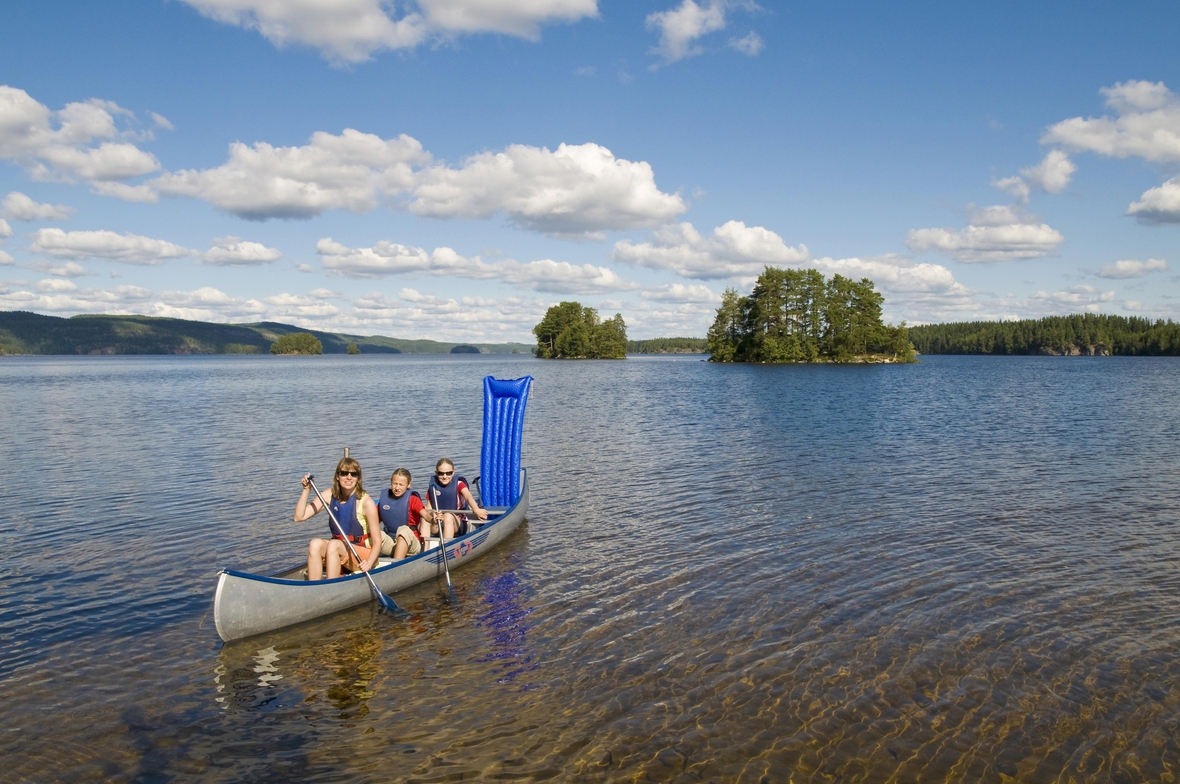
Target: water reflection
[{"x": 503, "y": 615}]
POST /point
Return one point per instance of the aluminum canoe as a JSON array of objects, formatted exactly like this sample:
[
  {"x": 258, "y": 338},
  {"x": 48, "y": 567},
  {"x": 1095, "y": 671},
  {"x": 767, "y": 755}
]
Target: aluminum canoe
[{"x": 248, "y": 604}]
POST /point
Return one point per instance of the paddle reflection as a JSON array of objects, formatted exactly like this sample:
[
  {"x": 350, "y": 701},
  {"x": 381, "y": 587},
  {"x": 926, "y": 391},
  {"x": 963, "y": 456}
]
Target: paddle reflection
[{"x": 504, "y": 616}]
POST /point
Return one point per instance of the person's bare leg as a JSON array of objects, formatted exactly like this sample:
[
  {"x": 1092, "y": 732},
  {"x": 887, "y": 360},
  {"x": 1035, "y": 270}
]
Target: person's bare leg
[
  {"x": 316, "y": 549},
  {"x": 337, "y": 557},
  {"x": 401, "y": 548}
]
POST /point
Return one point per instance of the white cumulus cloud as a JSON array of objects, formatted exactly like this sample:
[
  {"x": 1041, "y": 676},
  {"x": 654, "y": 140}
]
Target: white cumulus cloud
[
  {"x": 1130, "y": 268},
  {"x": 680, "y": 27},
  {"x": 680, "y": 293},
  {"x": 734, "y": 250},
  {"x": 70, "y": 269},
  {"x": 1158, "y": 205},
  {"x": 997, "y": 233},
  {"x": 81, "y": 141},
  {"x": 1086, "y": 298},
  {"x": 1052, "y": 174},
  {"x": 204, "y": 304},
  {"x": 414, "y": 314},
  {"x": 236, "y": 252},
  {"x": 18, "y": 206},
  {"x": 575, "y": 190},
  {"x": 1146, "y": 124},
  {"x": 351, "y": 31},
  {"x": 5, "y": 229},
  {"x": 56, "y": 285},
  {"x": 299, "y": 306},
  {"x": 389, "y": 258},
  {"x": 6, "y": 260},
  {"x": 128, "y": 248},
  {"x": 750, "y": 44},
  {"x": 352, "y": 171}
]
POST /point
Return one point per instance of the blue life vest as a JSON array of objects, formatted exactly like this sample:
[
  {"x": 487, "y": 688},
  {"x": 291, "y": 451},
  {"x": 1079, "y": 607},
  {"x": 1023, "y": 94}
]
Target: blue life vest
[
  {"x": 345, "y": 512},
  {"x": 448, "y": 497},
  {"x": 395, "y": 512}
]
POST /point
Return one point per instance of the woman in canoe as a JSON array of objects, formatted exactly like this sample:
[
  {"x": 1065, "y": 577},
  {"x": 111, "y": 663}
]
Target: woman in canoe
[{"x": 355, "y": 511}]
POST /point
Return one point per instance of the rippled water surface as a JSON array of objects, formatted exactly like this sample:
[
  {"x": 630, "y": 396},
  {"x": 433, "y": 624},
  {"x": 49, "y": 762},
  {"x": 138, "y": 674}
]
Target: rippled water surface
[{"x": 961, "y": 570}]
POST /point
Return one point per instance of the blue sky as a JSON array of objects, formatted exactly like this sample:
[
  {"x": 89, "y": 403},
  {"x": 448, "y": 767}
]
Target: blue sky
[{"x": 450, "y": 168}]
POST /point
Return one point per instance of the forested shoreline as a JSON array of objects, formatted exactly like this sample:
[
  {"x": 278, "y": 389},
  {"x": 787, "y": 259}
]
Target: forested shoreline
[
  {"x": 22, "y": 332},
  {"x": 668, "y": 346},
  {"x": 1077, "y": 335}
]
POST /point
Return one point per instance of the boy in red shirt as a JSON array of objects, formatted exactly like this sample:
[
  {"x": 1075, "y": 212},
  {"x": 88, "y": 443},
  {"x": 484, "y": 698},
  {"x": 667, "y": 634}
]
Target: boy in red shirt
[{"x": 400, "y": 511}]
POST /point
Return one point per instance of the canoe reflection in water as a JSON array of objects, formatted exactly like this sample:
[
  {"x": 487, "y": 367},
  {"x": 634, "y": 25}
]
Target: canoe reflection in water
[
  {"x": 338, "y": 668},
  {"x": 504, "y": 616}
]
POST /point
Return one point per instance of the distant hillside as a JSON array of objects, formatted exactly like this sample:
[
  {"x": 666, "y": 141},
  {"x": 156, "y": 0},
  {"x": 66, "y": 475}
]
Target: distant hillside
[
  {"x": 31, "y": 333},
  {"x": 668, "y": 346},
  {"x": 1087, "y": 335}
]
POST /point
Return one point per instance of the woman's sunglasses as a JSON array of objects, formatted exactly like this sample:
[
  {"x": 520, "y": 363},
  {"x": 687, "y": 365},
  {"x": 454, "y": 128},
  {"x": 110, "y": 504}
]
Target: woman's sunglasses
[{"x": 348, "y": 473}]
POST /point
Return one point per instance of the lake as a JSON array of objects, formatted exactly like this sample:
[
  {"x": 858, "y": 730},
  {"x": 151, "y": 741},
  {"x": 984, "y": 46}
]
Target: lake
[{"x": 962, "y": 570}]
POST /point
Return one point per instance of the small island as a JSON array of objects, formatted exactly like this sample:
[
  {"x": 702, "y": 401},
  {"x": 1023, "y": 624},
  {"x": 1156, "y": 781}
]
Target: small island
[
  {"x": 571, "y": 331},
  {"x": 796, "y": 315},
  {"x": 298, "y": 343}
]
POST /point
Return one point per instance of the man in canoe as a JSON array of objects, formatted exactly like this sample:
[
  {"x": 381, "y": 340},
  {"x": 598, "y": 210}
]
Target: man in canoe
[
  {"x": 400, "y": 510},
  {"x": 355, "y": 511},
  {"x": 451, "y": 492}
]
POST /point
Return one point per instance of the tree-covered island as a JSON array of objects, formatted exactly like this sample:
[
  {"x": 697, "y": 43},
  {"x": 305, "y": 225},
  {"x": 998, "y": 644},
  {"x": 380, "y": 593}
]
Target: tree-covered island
[
  {"x": 300, "y": 343},
  {"x": 571, "y": 331},
  {"x": 797, "y": 316}
]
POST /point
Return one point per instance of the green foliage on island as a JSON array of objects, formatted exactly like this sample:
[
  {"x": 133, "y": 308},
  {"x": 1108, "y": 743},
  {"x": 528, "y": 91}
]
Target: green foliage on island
[
  {"x": 352, "y": 348},
  {"x": 298, "y": 343},
  {"x": 22, "y": 332},
  {"x": 796, "y": 316},
  {"x": 571, "y": 331},
  {"x": 1077, "y": 335},
  {"x": 465, "y": 349},
  {"x": 668, "y": 346}
]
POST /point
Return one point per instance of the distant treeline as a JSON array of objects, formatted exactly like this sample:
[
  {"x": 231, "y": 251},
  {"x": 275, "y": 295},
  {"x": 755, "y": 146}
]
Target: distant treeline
[
  {"x": 795, "y": 315},
  {"x": 668, "y": 346},
  {"x": 22, "y": 332},
  {"x": 1086, "y": 335}
]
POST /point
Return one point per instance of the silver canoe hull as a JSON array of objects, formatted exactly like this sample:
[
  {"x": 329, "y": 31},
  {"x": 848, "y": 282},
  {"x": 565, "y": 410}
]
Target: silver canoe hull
[{"x": 248, "y": 604}]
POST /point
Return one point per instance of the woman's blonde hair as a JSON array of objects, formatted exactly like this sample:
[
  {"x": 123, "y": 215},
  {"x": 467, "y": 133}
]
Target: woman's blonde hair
[{"x": 347, "y": 464}]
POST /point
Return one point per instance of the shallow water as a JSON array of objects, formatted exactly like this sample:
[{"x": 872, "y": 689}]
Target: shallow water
[{"x": 964, "y": 569}]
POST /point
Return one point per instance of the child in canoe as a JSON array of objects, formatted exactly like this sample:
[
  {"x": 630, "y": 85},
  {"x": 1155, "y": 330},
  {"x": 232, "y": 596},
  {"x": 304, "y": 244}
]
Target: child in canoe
[
  {"x": 400, "y": 510},
  {"x": 451, "y": 492}
]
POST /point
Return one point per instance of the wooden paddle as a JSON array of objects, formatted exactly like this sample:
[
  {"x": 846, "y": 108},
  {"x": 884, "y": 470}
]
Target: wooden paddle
[{"x": 382, "y": 599}]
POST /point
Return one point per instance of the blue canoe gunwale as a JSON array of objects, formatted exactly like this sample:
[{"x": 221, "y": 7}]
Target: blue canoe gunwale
[{"x": 247, "y": 604}]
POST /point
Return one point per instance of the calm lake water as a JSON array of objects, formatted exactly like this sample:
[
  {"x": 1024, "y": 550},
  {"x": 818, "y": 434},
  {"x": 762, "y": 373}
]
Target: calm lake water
[{"x": 963, "y": 570}]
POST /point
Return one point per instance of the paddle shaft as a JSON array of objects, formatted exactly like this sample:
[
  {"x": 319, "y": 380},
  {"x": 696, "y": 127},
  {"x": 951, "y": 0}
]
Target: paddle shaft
[
  {"x": 442, "y": 537},
  {"x": 381, "y": 598}
]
